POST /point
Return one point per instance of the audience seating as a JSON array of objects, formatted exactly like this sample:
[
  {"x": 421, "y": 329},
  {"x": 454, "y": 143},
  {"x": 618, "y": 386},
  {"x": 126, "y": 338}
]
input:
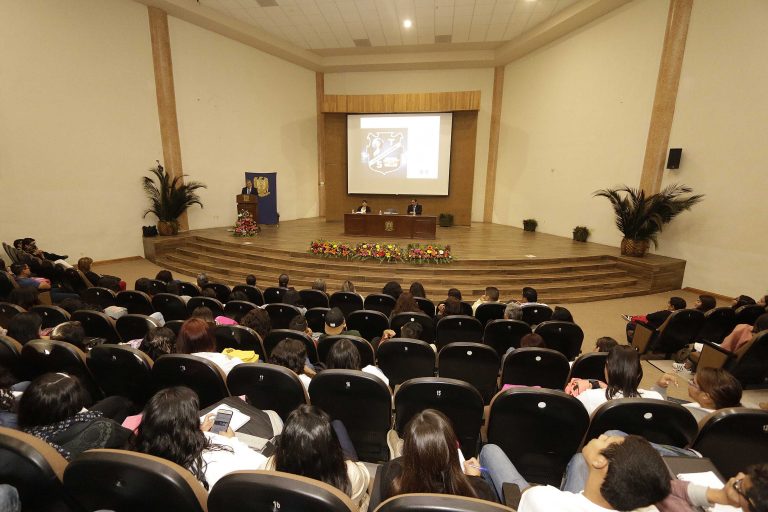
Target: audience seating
[
  {"x": 171, "y": 306},
  {"x": 268, "y": 387},
  {"x": 10, "y": 357},
  {"x": 174, "y": 325},
  {"x": 474, "y": 363},
  {"x": 8, "y": 311},
  {"x": 188, "y": 289},
  {"x": 426, "y": 306},
  {"x": 402, "y": 359},
  {"x": 311, "y": 298},
  {"x": 488, "y": 311},
  {"x": 238, "y": 337},
  {"x": 274, "y": 295},
  {"x": 718, "y": 323},
  {"x": 35, "y": 469},
  {"x": 97, "y": 325},
  {"x": 659, "y": 421},
  {"x": 51, "y": 315},
  {"x": 458, "y": 400},
  {"x": 565, "y": 337},
  {"x": 281, "y": 314},
  {"x": 534, "y": 314},
  {"x": 427, "y": 325},
  {"x": 254, "y": 294},
  {"x": 157, "y": 286},
  {"x": 98, "y": 296},
  {"x": 236, "y": 309},
  {"x": 370, "y": 324},
  {"x": 222, "y": 291},
  {"x": 200, "y": 375},
  {"x": 124, "y": 371},
  {"x": 539, "y": 430},
  {"x": 11, "y": 252},
  {"x": 733, "y": 439},
  {"x": 75, "y": 280},
  {"x": 137, "y": 303},
  {"x": 43, "y": 356},
  {"x": 121, "y": 480},
  {"x": 678, "y": 331},
  {"x": 258, "y": 491},
  {"x": 7, "y": 284},
  {"x": 462, "y": 328},
  {"x": 466, "y": 308},
  {"x": 749, "y": 313},
  {"x": 362, "y": 402},
  {"x": 316, "y": 318},
  {"x": 589, "y": 366},
  {"x": 215, "y": 305},
  {"x": 713, "y": 356},
  {"x": 751, "y": 365},
  {"x": 438, "y": 503},
  {"x": 535, "y": 367},
  {"x": 347, "y": 302},
  {"x": 275, "y": 336},
  {"x": 380, "y": 302},
  {"x": 134, "y": 327},
  {"x": 363, "y": 347}
]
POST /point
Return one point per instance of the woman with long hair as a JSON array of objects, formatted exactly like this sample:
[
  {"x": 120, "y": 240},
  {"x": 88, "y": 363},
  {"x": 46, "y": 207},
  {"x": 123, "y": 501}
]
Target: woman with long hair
[
  {"x": 405, "y": 304},
  {"x": 623, "y": 374},
  {"x": 430, "y": 463},
  {"x": 704, "y": 303},
  {"x": 170, "y": 428},
  {"x": 344, "y": 355},
  {"x": 710, "y": 389},
  {"x": 310, "y": 447},
  {"x": 195, "y": 338}
]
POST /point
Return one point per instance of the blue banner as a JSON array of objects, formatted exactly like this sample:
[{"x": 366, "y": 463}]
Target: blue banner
[{"x": 265, "y": 184}]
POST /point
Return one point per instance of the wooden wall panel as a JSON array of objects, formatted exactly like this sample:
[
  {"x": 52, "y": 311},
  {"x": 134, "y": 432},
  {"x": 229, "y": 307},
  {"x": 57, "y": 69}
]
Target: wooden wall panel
[{"x": 403, "y": 103}]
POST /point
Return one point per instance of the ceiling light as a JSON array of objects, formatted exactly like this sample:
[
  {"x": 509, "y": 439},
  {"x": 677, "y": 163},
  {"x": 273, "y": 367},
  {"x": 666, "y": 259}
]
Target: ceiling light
[{"x": 407, "y": 23}]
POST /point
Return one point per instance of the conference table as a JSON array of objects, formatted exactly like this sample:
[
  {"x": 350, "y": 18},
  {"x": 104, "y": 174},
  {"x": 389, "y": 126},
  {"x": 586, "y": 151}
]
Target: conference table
[{"x": 392, "y": 225}]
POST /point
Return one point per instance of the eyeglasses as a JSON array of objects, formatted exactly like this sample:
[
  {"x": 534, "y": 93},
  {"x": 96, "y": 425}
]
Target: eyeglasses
[{"x": 738, "y": 487}]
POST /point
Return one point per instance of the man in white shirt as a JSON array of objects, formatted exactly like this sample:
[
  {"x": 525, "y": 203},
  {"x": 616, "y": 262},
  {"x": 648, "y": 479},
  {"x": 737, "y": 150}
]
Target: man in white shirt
[{"x": 491, "y": 295}]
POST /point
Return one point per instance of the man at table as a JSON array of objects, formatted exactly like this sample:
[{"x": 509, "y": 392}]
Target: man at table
[
  {"x": 363, "y": 208},
  {"x": 414, "y": 208}
]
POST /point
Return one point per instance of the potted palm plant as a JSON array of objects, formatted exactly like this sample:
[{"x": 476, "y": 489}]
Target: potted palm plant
[
  {"x": 169, "y": 198},
  {"x": 530, "y": 225},
  {"x": 580, "y": 233},
  {"x": 640, "y": 217}
]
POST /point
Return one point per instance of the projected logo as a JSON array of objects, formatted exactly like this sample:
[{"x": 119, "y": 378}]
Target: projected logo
[{"x": 385, "y": 151}]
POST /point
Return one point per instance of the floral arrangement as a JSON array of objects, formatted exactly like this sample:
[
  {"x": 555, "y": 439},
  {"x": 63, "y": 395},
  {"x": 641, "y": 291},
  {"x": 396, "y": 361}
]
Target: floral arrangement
[
  {"x": 245, "y": 225},
  {"x": 383, "y": 252}
]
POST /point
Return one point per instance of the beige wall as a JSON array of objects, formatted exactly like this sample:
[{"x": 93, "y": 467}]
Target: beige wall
[
  {"x": 241, "y": 110},
  {"x": 78, "y": 124},
  {"x": 720, "y": 123},
  {"x": 448, "y": 80}
]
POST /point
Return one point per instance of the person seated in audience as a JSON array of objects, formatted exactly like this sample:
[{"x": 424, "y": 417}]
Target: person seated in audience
[
  {"x": 513, "y": 311},
  {"x": 164, "y": 276},
  {"x": 143, "y": 285},
  {"x": 742, "y": 300},
  {"x": 530, "y": 297},
  {"x": 53, "y": 408},
  {"x": 348, "y": 286},
  {"x": 23, "y": 276},
  {"x": 319, "y": 285},
  {"x": 203, "y": 313},
  {"x": 561, "y": 314},
  {"x": 29, "y": 245},
  {"x": 455, "y": 293},
  {"x": 70, "y": 332},
  {"x": 201, "y": 280},
  {"x": 238, "y": 295},
  {"x": 417, "y": 290},
  {"x": 491, "y": 295},
  {"x": 451, "y": 306},
  {"x": 430, "y": 463},
  {"x": 258, "y": 320},
  {"x": 531, "y": 340},
  {"x": 704, "y": 303},
  {"x": 710, "y": 389},
  {"x": 175, "y": 289},
  {"x": 72, "y": 305},
  {"x": 344, "y": 355},
  {"x": 210, "y": 293},
  {"x": 747, "y": 491},
  {"x": 405, "y": 304},
  {"x": 292, "y": 354},
  {"x": 623, "y": 374},
  {"x": 742, "y": 333},
  {"x": 624, "y": 473},
  {"x": 335, "y": 324},
  {"x": 653, "y": 320},
  {"x": 299, "y": 323},
  {"x": 250, "y": 280},
  {"x": 24, "y": 296},
  {"x": 393, "y": 289},
  {"x": 409, "y": 330},
  {"x": 195, "y": 338},
  {"x": 605, "y": 344},
  {"x": 113, "y": 283},
  {"x": 159, "y": 341},
  {"x": 311, "y": 447},
  {"x": 293, "y": 298},
  {"x": 283, "y": 280},
  {"x": 170, "y": 428},
  {"x": 24, "y": 327}
]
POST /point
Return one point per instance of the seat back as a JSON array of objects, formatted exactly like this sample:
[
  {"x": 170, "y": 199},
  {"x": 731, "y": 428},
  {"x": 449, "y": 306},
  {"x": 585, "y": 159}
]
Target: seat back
[
  {"x": 122, "y": 480},
  {"x": 222, "y": 291},
  {"x": 315, "y": 318},
  {"x": 215, "y": 305},
  {"x": 426, "y": 306},
  {"x": 466, "y": 308},
  {"x": 174, "y": 325},
  {"x": 713, "y": 356},
  {"x": 200, "y": 375},
  {"x": 369, "y": 324},
  {"x": 458, "y": 400},
  {"x": 281, "y": 314},
  {"x": 380, "y": 302},
  {"x": 123, "y": 371},
  {"x": 44, "y": 356},
  {"x": 718, "y": 323},
  {"x": 589, "y": 366},
  {"x": 402, "y": 359},
  {"x": 51, "y": 315},
  {"x": 347, "y": 302},
  {"x": 254, "y": 294},
  {"x": 749, "y": 313},
  {"x": 427, "y": 325},
  {"x": 535, "y": 367},
  {"x": 474, "y": 363},
  {"x": 133, "y": 327},
  {"x": 137, "y": 303},
  {"x": 238, "y": 337},
  {"x": 439, "y": 503},
  {"x": 311, "y": 298},
  {"x": 274, "y": 294},
  {"x": 7, "y": 284},
  {"x": 97, "y": 325},
  {"x": 275, "y": 336},
  {"x": 268, "y": 387},
  {"x": 565, "y": 337},
  {"x": 488, "y": 311},
  {"x": 362, "y": 402},
  {"x": 75, "y": 280},
  {"x": 35, "y": 469},
  {"x": 188, "y": 289},
  {"x": 678, "y": 331},
  {"x": 733, "y": 439},
  {"x": 659, "y": 421},
  {"x": 171, "y": 306},
  {"x": 362, "y": 345},
  {"x": 157, "y": 286},
  {"x": 458, "y": 328},
  {"x": 7, "y": 312},
  {"x": 99, "y": 296},
  {"x": 257, "y": 491},
  {"x": 534, "y": 314},
  {"x": 10, "y": 356},
  {"x": 538, "y": 429},
  {"x": 236, "y": 309},
  {"x": 751, "y": 364}
]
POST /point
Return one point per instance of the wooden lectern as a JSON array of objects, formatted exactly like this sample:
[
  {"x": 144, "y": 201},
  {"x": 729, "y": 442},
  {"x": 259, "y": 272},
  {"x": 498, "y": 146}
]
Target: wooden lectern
[{"x": 249, "y": 203}]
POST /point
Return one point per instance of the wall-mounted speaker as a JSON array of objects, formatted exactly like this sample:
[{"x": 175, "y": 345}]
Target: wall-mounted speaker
[{"x": 673, "y": 161}]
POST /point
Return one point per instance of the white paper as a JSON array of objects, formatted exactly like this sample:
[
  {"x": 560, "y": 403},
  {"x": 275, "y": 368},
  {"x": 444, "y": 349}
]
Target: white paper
[
  {"x": 709, "y": 479},
  {"x": 238, "y": 419}
]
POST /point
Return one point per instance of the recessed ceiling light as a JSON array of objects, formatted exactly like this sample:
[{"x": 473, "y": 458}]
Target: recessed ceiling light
[{"x": 407, "y": 23}]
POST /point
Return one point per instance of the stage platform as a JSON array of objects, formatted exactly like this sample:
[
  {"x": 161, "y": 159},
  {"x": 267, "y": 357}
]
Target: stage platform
[{"x": 486, "y": 254}]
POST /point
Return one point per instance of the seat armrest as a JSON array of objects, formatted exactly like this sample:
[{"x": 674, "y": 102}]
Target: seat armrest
[{"x": 642, "y": 338}]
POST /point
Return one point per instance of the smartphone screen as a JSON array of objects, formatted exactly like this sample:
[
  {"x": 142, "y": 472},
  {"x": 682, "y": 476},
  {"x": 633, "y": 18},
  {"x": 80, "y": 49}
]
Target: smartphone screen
[{"x": 221, "y": 422}]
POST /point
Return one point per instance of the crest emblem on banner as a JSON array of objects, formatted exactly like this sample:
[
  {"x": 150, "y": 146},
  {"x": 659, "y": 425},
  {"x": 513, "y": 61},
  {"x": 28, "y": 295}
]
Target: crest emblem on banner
[
  {"x": 389, "y": 226},
  {"x": 262, "y": 186},
  {"x": 385, "y": 151}
]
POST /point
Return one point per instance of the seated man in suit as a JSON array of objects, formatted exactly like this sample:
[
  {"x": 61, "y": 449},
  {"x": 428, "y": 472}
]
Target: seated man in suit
[
  {"x": 414, "y": 208},
  {"x": 363, "y": 208},
  {"x": 248, "y": 188}
]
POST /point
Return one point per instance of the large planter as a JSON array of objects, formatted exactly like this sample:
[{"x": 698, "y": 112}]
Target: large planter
[
  {"x": 167, "y": 228},
  {"x": 637, "y": 248}
]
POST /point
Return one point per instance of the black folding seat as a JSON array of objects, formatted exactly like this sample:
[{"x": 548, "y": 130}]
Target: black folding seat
[
  {"x": 137, "y": 303},
  {"x": 315, "y": 318},
  {"x": 488, "y": 311},
  {"x": 462, "y": 328},
  {"x": 370, "y": 324},
  {"x": 174, "y": 325},
  {"x": 438, "y": 503},
  {"x": 749, "y": 313},
  {"x": 466, "y": 308},
  {"x": 534, "y": 314},
  {"x": 51, "y": 315},
  {"x": 99, "y": 296},
  {"x": 200, "y": 375},
  {"x": 97, "y": 325},
  {"x": 238, "y": 337},
  {"x": 274, "y": 295},
  {"x": 275, "y": 336},
  {"x": 237, "y": 309},
  {"x": 10, "y": 357},
  {"x": 402, "y": 359},
  {"x": 44, "y": 356},
  {"x": 362, "y": 345},
  {"x": 589, "y": 366},
  {"x": 268, "y": 387},
  {"x": 75, "y": 280},
  {"x": 505, "y": 334},
  {"x": 427, "y": 325},
  {"x": 222, "y": 291},
  {"x": 156, "y": 286},
  {"x": 471, "y": 362},
  {"x": 123, "y": 371},
  {"x": 188, "y": 289},
  {"x": 171, "y": 306},
  {"x": 254, "y": 294},
  {"x": 565, "y": 337},
  {"x": 718, "y": 323},
  {"x": 535, "y": 367},
  {"x": 281, "y": 314},
  {"x": 380, "y": 302},
  {"x": 7, "y": 284},
  {"x": 426, "y": 306},
  {"x": 678, "y": 331},
  {"x": 215, "y": 305},
  {"x": 751, "y": 365},
  {"x": 311, "y": 298},
  {"x": 347, "y": 302},
  {"x": 134, "y": 327},
  {"x": 8, "y": 311}
]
